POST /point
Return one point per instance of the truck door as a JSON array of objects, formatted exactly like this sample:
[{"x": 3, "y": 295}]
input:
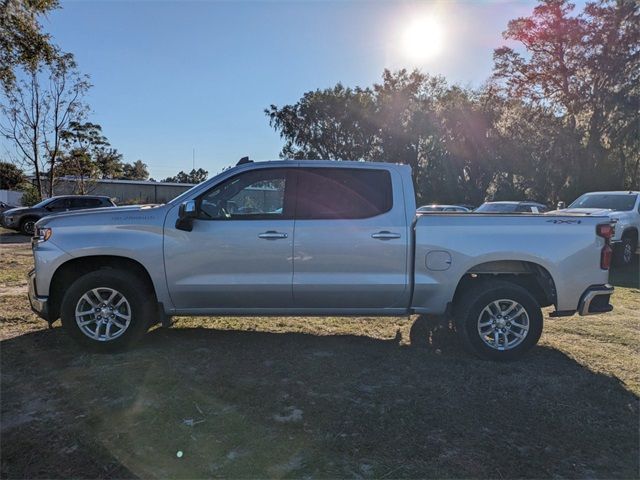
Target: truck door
[
  {"x": 239, "y": 253},
  {"x": 351, "y": 239}
]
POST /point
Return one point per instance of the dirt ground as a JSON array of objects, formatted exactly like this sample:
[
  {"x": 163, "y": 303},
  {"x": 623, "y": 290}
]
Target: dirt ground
[{"x": 317, "y": 398}]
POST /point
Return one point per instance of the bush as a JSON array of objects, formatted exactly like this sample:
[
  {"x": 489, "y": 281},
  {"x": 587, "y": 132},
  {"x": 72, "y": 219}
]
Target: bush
[
  {"x": 30, "y": 196},
  {"x": 11, "y": 176}
]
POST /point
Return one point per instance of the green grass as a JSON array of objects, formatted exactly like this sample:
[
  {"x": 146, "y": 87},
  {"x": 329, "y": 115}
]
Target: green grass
[{"x": 319, "y": 397}]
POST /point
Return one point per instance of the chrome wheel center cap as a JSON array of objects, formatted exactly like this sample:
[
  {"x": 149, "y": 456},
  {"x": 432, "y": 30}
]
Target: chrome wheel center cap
[{"x": 503, "y": 324}]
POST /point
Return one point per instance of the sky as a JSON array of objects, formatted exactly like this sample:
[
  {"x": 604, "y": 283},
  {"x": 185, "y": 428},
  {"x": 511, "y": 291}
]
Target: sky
[{"x": 173, "y": 76}]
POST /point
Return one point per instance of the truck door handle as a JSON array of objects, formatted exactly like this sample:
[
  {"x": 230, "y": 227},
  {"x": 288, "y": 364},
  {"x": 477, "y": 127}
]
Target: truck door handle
[
  {"x": 385, "y": 235},
  {"x": 272, "y": 235}
]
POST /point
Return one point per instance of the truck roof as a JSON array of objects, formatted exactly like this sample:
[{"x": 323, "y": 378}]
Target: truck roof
[
  {"x": 516, "y": 202},
  {"x": 82, "y": 196},
  {"x": 614, "y": 192},
  {"x": 345, "y": 163}
]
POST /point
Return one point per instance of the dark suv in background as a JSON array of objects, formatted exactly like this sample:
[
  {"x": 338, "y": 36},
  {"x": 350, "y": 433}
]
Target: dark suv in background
[{"x": 23, "y": 219}]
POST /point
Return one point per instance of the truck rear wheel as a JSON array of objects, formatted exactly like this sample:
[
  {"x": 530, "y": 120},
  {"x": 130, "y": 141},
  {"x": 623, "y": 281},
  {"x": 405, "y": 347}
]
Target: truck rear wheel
[
  {"x": 107, "y": 310},
  {"x": 498, "y": 320}
]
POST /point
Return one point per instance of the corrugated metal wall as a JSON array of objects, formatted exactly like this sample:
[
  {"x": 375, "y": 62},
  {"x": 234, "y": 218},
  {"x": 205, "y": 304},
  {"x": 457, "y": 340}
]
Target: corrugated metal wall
[
  {"x": 11, "y": 197},
  {"x": 125, "y": 192}
]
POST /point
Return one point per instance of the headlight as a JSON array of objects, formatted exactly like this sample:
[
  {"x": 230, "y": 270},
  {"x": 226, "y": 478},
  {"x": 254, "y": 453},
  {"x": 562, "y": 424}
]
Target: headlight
[{"x": 43, "y": 234}]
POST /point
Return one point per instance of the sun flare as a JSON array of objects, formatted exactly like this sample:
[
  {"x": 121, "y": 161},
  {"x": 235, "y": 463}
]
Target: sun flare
[{"x": 423, "y": 39}]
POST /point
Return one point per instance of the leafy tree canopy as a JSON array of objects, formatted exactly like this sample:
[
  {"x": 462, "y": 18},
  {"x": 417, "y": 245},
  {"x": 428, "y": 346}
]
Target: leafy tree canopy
[
  {"x": 11, "y": 177},
  {"x": 194, "y": 176},
  {"x": 22, "y": 41},
  {"x": 135, "y": 171}
]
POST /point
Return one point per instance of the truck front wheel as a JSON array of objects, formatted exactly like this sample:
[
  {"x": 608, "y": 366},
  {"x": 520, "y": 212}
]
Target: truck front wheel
[
  {"x": 28, "y": 226},
  {"x": 107, "y": 310},
  {"x": 624, "y": 251},
  {"x": 498, "y": 320}
]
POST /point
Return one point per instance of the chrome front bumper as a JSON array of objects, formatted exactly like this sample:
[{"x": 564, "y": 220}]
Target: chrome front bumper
[
  {"x": 596, "y": 300},
  {"x": 39, "y": 305}
]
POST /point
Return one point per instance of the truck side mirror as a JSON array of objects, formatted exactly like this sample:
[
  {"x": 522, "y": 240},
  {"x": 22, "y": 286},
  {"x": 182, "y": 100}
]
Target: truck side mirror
[
  {"x": 561, "y": 205},
  {"x": 186, "y": 213}
]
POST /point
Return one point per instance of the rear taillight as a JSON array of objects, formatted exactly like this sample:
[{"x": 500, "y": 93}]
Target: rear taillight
[{"x": 605, "y": 231}]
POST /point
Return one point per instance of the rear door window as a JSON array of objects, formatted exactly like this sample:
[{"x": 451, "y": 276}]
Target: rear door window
[
  {"x": 93, "y": 203},
  {"x": 77, "y": 203},
  {"x": 342, "y": 193}
]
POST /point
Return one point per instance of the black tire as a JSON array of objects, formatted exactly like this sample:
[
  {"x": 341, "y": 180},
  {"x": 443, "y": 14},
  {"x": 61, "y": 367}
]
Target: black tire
[
  {"x": 470, "y": 306},
  {"x": 141, "y": 307},
  {"x": 625, "y": 251},
  {"x": 27, "y": 226}
]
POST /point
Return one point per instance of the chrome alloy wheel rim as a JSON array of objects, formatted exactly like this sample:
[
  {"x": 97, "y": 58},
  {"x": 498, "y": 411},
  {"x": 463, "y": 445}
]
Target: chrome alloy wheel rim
[
  {"x": 503, "y": 324},
  {"x": 103, "y": 314},
  {"x": 30, "y": 227}
]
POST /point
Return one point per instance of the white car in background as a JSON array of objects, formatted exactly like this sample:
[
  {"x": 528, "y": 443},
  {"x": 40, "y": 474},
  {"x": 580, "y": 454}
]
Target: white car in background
[
  {"x": 511, "y": 207},
  {"x": 621, "y": 207},
  {"x": 443, "y": 208}
]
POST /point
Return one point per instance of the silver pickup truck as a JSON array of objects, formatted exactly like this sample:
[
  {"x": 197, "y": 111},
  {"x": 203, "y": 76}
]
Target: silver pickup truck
[{"x": 316, "y": 238}]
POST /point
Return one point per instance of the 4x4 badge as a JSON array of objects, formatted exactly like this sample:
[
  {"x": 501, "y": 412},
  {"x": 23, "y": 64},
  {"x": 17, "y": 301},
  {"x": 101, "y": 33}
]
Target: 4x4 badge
[{"x": 557, "y": 220}]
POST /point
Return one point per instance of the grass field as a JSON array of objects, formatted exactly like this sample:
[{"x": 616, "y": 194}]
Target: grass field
[{"x": 311, "y": 397}]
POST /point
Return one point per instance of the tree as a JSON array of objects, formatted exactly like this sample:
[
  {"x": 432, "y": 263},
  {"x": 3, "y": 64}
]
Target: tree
[
  {"x": 135, "y": 171},
  {"x": 327, "y": 124},
  {"x": 397, "y": 120},
  {"x": 11, "y": 177},
  {"x": 37, "y": 108},
  {"x": 22, "y": 41},
  {"x": 585, "y": 69},
  {"x": 81, "y": 142},
  {"x": 85, "y": 140},
  {"x": 79, "y": 165},
  {"x": 195, "y": 176},
  {"x": 613, "y": 60},
  {"x": 109, "y": 163}
]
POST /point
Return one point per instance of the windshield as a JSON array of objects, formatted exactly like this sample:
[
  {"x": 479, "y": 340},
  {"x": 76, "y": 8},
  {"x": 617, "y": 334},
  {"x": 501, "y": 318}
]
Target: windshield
[
  {"x": 610, "y": 201},
  {"x": 496, "y": 208},
  {"x": 430, "y": 209},
  {"x": 43, "y": 203},
  {"x": 187, "y": 193}
]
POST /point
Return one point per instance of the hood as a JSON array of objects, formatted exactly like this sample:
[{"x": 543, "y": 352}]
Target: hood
[
  {"x": 15, "y": 210},
  {"x": 94, "y": 215}
]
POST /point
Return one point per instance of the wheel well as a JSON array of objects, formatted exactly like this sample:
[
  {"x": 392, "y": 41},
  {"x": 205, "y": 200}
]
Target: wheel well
[
  {"x": 69, "y": 271},
  {"x": 531, "y": 276},
  {"x": 28, "y": 217}
]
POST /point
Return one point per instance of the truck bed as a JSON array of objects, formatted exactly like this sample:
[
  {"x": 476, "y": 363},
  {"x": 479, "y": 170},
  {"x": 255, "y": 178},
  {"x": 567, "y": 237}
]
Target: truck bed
[{"x": 450, "y": 245}]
